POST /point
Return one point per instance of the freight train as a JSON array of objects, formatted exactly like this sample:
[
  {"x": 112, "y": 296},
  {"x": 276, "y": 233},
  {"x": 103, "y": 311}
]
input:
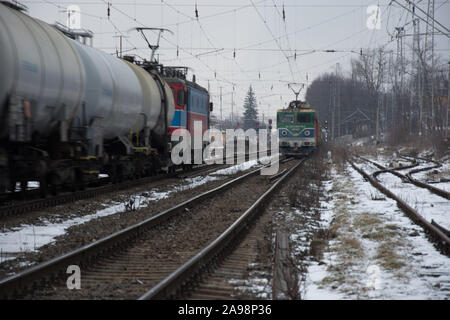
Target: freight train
[
  {"x": 298, "y": 129},
  {"x": 69, "y": 112}
]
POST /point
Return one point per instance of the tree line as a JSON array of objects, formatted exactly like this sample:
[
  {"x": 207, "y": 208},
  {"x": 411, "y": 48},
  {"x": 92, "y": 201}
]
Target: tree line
[{"x": 385, "y": 95}]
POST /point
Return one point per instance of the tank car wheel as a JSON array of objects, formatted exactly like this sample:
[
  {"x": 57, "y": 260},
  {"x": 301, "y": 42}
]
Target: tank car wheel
[
  {"x": 139, "y": 170},
  {"x": 73, "y": 181},
  {"x": 23, "y": 188},
  {"x": 12, "y": 186},
  {"x": 43, "y": 188},
  {"x": 113, "y": 174},
  {"x": 54, "y": 184},
  {"x": 119, "y": 174},
  {"x": 79, "y": 178}
]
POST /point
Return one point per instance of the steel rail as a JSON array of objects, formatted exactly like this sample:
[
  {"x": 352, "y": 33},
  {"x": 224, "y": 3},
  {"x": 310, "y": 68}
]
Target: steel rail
[
  {"x": 57, "y": 266},
  {"x": 442, "y": 240},
  {"x": 39, "y": 204},
  {"x": 409, "y": 178},
  {"x": 436, "y": 164},
  {"x": 200, "y": 262},
  {"x": 437, "y": 225},
  {"x": 276, "y": 176}
]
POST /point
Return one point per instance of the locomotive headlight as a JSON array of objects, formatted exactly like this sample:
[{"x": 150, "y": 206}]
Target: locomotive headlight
[
  {"x": 307, "y": 133},
  {"x": 284, "y": 133}
]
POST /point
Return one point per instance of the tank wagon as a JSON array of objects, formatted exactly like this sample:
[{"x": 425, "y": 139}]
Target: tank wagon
[
  {"x": 69, "y": 112},
  {"x": 298, "y": 129}
]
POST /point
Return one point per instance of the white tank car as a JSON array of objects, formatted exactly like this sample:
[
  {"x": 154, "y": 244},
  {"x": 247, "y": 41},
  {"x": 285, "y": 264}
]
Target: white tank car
[
  {"x": 151, "y": 100},
  {"x": 50, "y": 70},
  {"x": 39, "y": 65}
]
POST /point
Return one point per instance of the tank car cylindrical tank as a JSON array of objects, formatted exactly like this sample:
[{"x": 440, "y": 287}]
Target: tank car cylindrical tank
[
  {"x": 69, "y": 112},
  {"x": 111, "y": 92},
  {"x": 151, "y": 100},
  {"x": 52, "y": 71},
  {"x": 39, "y": 64}
]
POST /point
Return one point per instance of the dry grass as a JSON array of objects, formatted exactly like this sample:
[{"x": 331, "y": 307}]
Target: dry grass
[
  {"x": 413, "y": 145},
  {"x": 340, "y": 154},
  {"x": 388, "y": 256},
  {"x": 350, "y": 231},
  {"x": 305, "y": 191}
]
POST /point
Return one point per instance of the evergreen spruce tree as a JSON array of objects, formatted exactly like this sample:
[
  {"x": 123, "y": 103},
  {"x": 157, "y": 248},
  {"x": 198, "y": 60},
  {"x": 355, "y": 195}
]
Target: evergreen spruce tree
[{"x": 250, "y": 110}]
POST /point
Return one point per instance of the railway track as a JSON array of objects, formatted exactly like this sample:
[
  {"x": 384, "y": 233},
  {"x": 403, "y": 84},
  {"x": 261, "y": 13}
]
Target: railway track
[
  {"x": 124, "y": 256},
  {"x": 408, "y": 177},
  {"x": 22, "y": 207},
  {"x": 204, "y": 275},
  {"x": 25, "y": 206},
  {"x": 436, "y": 232}
]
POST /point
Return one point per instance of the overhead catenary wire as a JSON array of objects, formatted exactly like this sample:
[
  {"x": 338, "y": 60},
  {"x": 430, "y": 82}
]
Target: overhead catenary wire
[
  {"x": 208, "y": 46},
  {"x": 167, "y": 40},
  {"x": 276, "y": 41}
]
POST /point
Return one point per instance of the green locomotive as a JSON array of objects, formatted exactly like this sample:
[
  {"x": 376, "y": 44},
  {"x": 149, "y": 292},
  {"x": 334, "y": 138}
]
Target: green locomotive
[{"x": 298, "y": 129}]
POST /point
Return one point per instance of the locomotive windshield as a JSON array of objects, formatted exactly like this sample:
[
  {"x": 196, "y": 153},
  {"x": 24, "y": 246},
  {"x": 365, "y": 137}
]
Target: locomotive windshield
[
  {"x": 304, "y": 117},
  {"x": 180, "y": 99},
  {"x": 286, "y": 118}
]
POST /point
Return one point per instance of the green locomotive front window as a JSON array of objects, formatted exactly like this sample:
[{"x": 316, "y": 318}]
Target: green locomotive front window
[
  {"x": 304, "y": 117},
  {"x": 286, "y": 118}
]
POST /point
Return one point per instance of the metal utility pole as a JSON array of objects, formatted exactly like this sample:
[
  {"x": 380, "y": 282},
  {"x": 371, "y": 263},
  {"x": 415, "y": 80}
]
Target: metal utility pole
[
  {"x": 333, "y": 113},
  {"x": 120, "y": 37},
  {"x": 221, "y": 119},
  {"x": 446, "y": 109},
  {"x": 329, "y": 108},
  {"x": 426, "y": 82},
  {"x": 413, "y": 91},
  {"x": 442, "y": 29},
  {"x": 232, "y": 105},
  {"x": 338, "y": 100},
  {"x": 392, "y": 72},
  {"x": 419, "y": 74},
  {"x": 432, "y": 69},
  {"x": 399, "y": 36}
]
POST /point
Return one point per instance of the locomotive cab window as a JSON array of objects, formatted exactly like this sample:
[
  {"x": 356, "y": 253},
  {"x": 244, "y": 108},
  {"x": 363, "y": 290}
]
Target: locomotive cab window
[
  {"x": 304, "y": 117},
  {"x": 180, "y": 96},
  {"x": 286, "y": 118}
]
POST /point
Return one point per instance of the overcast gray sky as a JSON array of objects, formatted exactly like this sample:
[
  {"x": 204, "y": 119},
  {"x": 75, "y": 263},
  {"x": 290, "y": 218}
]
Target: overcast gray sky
[{"x": 265, "y": 44}]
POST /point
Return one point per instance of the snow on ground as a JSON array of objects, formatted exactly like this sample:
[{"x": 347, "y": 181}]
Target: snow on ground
[
  {"x": 367, "y": 166},
  {"x": 317, "y": 271},
  {"x": 31, "y": 237},
  {"x": 435, "y": 175},
  {"x": 378, "y": 253},
  {"x": 236, "y": 168},
  {"x": 257, "y": 283},
  {"x": 429, "y": 205}
]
